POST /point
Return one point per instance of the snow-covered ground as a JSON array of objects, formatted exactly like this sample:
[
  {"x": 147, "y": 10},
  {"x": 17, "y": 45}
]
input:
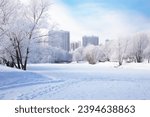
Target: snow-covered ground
[{"x": 76, "y": 81}]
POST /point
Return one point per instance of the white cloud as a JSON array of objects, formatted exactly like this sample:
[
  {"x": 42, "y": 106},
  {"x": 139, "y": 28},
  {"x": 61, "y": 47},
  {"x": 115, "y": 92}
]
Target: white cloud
[
  {"x": 112, "y": 23},
  {"x": 95, "y": 19},
  {"x": 61, "y": 15}
]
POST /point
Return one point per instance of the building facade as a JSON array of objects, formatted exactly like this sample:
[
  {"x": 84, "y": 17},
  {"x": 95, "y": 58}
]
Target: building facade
[
  {"x": 75, "y": 45},
  {"x": 59, "y": 39},
  {"x": 87, "y": 40}
]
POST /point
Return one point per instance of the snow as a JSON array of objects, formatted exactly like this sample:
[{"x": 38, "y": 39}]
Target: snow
[{"x": 76, "y": 81}]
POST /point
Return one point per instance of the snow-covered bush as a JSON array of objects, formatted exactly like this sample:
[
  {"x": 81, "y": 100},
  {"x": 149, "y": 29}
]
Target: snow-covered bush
[
  {"x": 91, "y": 54},
  {"x": 78, "y": 54},
  {"x": 48, "y": 54},
  {"x": 61, "y": 56}
]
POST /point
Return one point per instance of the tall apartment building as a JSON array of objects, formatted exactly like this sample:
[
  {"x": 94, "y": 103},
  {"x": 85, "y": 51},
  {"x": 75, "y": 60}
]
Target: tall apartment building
[
  {"x": 60, "y": 39},
  {"x": 87, "y": 40},
  {"x": 75, "y": 45}
]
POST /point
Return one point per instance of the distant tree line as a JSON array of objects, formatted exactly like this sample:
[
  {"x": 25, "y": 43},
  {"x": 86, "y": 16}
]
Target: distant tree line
[
  {"x": 20, "y": 34},
  {"x": 128, "y": 49}
]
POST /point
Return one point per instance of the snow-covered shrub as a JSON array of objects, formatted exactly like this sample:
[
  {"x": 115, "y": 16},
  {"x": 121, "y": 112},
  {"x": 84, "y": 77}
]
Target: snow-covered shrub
[
  {"x": 48, "y": 54},
  {"x": 78, "y": 54},
  {"x": 91, "y": 54},
  {"x": 61, "y": 56}
]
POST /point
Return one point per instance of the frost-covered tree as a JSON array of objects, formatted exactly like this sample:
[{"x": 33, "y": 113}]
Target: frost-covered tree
[
  {"x": 147, "y": 54},
  {"x": 118, "y": 50},
  {"x": 147, "y": 51},
  {"x": 102, "y": 56},
  {"x": 122, "y": 49},
  {"x": 108, "y": 49},
  {"x": 48, "y": 54},
  {"x": 140, "y": 43},
  {"x": 8, "y": 12},
  {"x": 21, "y": 30}
]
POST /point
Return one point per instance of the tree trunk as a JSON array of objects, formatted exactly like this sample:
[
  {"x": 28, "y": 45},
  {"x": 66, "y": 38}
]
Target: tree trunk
[
  {"x": 148, "y": 60},
  {"x": 17, "y": 59},
  {"x": 26, "y": 59}
]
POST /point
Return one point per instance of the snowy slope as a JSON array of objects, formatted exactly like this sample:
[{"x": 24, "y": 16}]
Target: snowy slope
[
  {"x": 13, "y": 79},
  {"x": 76, "y": 81}
]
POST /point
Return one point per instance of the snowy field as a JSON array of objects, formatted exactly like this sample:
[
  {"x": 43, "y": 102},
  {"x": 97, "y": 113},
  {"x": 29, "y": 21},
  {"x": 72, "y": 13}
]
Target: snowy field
[{"x": 76, "y": 81}]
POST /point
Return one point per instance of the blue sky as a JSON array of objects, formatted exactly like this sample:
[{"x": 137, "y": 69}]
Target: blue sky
[
  {"x": 108, "y": 19},
  {"x": 141, "y": 6}
]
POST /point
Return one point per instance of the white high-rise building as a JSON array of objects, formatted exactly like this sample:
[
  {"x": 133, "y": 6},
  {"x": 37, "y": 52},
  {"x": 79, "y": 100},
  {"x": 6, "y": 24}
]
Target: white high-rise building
[
  {"x": 60, "y": 39},
  {"x": 87, "y": 40}
]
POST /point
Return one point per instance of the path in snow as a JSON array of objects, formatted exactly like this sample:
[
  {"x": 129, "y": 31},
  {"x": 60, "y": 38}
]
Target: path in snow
[{"x": 80, "y": 81}]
